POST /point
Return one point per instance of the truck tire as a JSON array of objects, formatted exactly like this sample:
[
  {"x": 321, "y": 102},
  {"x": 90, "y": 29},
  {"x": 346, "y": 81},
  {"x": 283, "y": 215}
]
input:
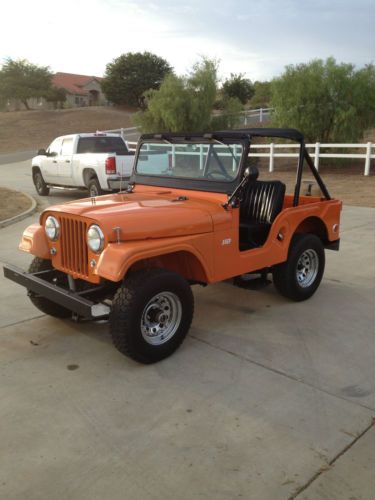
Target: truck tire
[
  {"x": 43, "y": 304},
  {"x": 151, "y": 314},
  {"x": 299, "y": 277},
  {"x": 94, "y": 187},
  {"x": 41, "y": 187}
]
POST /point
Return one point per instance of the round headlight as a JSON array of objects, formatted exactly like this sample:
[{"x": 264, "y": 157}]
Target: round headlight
[
  {"x": 52, "y": 228},
  {"x": 95, "y": 238}
]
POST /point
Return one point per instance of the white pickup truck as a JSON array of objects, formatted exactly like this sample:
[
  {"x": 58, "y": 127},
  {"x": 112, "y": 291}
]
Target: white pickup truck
[{"x": 99, "y": 162}]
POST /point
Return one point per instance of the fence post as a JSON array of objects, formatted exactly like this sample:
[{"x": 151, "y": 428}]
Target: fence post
[
  {"x": 234, "y": 161},
  {"x": 272, "y": 150},
  {"x": 201, "y": 157},
  {"x": 122, "y": 133},
  {"x": 317, "y": 152},
  {"x": 173, "y": 155},
  {"x": 245, "y": 121},
  {"x": 368, "y": 158},
  {"x": 261, "y": 115}
]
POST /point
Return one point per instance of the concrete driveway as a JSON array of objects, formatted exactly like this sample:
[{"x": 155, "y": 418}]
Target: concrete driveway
[{"x": 266, "y": 399}]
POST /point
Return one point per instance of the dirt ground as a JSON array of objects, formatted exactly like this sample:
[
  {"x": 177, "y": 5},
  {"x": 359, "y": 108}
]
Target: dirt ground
[
  {"x": 28, "y": 130},
  {"x": 12, "y": 203}
]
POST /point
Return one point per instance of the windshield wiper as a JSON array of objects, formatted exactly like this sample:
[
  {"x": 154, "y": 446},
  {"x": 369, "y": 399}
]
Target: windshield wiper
[{"x": 230, "y": 149}]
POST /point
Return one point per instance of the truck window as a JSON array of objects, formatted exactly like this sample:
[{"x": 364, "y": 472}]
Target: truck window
[
  {"x": 102, "y": 145},
  {"x": 67, "y": 147},
  {"x": 54, "y": 148}
]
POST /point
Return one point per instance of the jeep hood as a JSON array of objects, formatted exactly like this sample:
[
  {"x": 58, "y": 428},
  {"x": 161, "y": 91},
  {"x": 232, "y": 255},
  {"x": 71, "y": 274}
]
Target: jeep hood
[{"x": 142, "y": 215}]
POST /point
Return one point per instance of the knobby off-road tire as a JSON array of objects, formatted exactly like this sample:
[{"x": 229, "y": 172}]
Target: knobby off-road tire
[
  {"x": 94, "y": 187},
  {"x": 299, "y": 277},
  {"x": 151, "y": 314},
  {"x": 41, "y": 187},
  {"x": 43, "y": 304}
]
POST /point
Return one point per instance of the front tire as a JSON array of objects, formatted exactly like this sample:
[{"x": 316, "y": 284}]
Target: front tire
[
  {"x": 41, "y": 187},
  {"x": 151, "y": 314},
  {"x": 43, "y": 304},
  {"x": 299, "y": 277}
]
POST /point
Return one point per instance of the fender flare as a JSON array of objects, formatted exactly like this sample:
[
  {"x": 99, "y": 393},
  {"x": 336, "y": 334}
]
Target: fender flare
[{"x": 118, "y": 258}]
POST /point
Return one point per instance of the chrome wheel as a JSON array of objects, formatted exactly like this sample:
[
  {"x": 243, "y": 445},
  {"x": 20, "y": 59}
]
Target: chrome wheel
[
  {"x": 93, "y": 191},
  {"x": 161, "y": 318},
  {"x": 38, "y": 182},
  {"x": 307, "y": 268}
]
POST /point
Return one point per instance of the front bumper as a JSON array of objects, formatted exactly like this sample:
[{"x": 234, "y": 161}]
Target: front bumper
[
  {"x": 72, "y": 301},
  {"x": 117, "y": 183}
]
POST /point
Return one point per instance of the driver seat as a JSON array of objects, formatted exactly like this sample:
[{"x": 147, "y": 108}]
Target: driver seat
[{"x": 261, "y": 203}]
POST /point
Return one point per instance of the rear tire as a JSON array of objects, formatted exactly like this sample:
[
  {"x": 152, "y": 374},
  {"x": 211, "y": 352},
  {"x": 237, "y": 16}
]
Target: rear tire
[
  {"x": 299, "y": 277},
  {"x": 94, "y": 188},
  {"x": 151, "y": 314},
  {"x": 43, "y": 304},
  {"x": 41, "y": 187}
]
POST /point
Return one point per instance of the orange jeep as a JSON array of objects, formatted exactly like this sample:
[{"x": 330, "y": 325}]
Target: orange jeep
[{"x": 194, "y": 212}]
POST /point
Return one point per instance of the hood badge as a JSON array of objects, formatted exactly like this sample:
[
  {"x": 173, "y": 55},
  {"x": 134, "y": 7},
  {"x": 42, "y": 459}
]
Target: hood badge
[
  {"x": 180, "y": 198},
  {"x": 93, "y": 200},
  {"x": 117, "y": 230}
]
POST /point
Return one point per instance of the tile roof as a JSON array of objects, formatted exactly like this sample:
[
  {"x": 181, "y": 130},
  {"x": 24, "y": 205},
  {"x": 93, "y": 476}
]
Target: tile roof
[{"x": 74, "y": 84}]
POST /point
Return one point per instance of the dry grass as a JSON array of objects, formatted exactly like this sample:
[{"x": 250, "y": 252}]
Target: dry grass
[
  {"x": 12, "y": 203},
  {"x": 31, "y": 130}
]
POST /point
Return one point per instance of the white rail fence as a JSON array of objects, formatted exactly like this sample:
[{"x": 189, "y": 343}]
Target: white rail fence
[
  {"x": 275, "y": 150},
  {"x": 255, "y": 115}
]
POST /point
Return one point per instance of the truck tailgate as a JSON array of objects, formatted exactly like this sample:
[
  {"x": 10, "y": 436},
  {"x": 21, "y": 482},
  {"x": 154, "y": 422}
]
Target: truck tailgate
[{"x": 124, "y": 164}]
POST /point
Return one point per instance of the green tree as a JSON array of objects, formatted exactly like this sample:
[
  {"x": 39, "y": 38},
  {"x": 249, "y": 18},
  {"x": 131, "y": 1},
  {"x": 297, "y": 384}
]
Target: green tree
[
  {"x": 22, "y": 80},
  {"x": 238, "y": 86},
  {"x": 325, "y": 100},
  {"x": 262, "y": 95},
  {"x": 57, "y": 96},
  {"x": 186, "y": 103},
  {"x": 129, "y": 76}
]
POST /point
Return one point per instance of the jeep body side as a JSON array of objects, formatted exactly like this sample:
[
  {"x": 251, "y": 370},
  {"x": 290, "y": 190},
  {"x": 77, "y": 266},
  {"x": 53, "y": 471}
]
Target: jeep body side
[{"x": 194, "y": 213}]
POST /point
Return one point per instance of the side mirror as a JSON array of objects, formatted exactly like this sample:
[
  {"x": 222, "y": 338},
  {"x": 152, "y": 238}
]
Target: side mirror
[{"x": 42, "y": 152}]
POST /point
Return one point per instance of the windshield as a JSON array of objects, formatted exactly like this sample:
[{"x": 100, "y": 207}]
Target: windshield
[{"x": 210, "y": 161}]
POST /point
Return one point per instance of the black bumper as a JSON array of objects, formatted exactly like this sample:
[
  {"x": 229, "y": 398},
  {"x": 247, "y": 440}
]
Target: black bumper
[{"x": 65, "y": 298}]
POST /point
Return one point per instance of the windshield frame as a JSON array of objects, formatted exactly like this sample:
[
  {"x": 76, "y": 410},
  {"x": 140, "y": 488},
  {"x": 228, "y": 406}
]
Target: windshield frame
[{"x": 191, "y": 183}]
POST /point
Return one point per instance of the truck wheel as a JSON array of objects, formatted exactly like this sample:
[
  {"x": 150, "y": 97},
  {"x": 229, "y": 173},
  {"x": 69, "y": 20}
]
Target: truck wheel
[
  {"x": 43, "y": 304},
  {"x": 151, "y": 314},
  {"x": 299, "y": 277},
  {"x": 94, "y": 188},
  {"x": 41, "y": 187}
]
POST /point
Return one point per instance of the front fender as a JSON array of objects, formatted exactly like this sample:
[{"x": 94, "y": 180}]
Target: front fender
[
  {"x": 34, "y": 241},
  {"x": 118, "y": 258}
]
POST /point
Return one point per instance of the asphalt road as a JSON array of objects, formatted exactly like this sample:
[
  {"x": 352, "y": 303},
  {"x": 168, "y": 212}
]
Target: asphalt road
[
  {"x": 266, "y": 399},
  {"x": 7, "y": 158}
]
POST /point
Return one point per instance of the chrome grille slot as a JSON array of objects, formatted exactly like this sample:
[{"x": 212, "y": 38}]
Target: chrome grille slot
[{"x": 74, "y": 256}]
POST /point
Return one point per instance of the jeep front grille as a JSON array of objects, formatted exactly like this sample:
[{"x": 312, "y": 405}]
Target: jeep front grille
[{"x": 74, "y": 258}]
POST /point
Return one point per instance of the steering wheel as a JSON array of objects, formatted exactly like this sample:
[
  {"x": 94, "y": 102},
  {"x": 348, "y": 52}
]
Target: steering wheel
[{"x": 211, "y": 175}]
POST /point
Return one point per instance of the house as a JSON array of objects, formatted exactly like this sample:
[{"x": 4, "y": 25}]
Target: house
[{"x": 81, "y": 90}]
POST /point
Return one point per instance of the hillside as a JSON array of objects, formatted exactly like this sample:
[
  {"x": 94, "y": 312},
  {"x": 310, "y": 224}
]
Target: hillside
[{"x": 30, "y": 130}]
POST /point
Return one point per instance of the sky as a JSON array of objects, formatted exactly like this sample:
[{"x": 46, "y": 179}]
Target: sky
[{"x": 256, "y": 38}]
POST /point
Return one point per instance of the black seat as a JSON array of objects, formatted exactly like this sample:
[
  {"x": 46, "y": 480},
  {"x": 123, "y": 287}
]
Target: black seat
[{"x": 261, "y": 203}]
